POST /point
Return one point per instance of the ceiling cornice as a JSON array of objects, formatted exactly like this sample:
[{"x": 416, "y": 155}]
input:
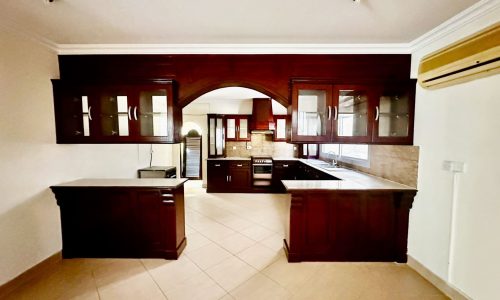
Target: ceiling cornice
[
  {"x": 453, "y": 24},
  {"x": 67, "y": 49},
  {"x": 467, "y": 16}
]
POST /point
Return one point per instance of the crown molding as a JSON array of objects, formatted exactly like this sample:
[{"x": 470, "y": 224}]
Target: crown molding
[
  {"x": 453, "y": 24},
  {"x": 71, "y": 49}
]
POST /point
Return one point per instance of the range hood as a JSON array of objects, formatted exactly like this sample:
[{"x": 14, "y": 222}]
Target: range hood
[{"x": 262, "y": 116}]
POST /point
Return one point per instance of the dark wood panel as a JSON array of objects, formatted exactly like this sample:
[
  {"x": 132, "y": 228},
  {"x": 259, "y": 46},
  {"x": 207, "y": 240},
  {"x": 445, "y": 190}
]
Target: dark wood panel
[{"x": 270, "y": 74}]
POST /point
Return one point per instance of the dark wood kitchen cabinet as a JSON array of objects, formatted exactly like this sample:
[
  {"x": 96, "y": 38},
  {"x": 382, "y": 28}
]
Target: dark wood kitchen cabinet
[
  {"x": 372, "y": 113},
  {"x": 122, "y": 221},
  {"x": 229, "y": 176},
  {"x": 280, "y": 128},
  {"x": 348, "y": 225},
  {"x": 284, "y": 170},
  {"x": 131, "y": 112},
  {"x": 237, "y": 127}
]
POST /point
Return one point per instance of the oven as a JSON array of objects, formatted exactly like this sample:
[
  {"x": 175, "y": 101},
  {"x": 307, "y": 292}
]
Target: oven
[{"x": 262, "y": 170}]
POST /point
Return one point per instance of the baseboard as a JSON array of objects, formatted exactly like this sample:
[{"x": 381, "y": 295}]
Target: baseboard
[
  {"x": 441, "y": 284},
  {"x": 36, "y": 271}
]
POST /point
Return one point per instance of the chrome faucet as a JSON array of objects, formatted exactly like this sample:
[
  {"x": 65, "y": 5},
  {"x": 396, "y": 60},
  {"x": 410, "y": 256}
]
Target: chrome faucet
[{"x": 334, "y": 162}]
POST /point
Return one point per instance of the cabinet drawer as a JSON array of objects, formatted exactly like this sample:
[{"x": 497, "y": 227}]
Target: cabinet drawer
[
  {"x": 239, "y": 164},
  {"x": 216, "y": 164},
  {"x": 285, "y": 164}
]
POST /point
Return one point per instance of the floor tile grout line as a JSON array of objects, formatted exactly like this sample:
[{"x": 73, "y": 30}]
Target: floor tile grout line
[
  {"x": 154, "y": 280},
  {"x": 95, "y": 284}
]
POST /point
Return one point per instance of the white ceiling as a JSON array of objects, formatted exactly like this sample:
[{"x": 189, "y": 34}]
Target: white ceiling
[{"x": 228, "y": 21}]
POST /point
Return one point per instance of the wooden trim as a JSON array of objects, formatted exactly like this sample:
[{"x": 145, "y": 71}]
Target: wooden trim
[
  {"x": 34, "y": 272},
  {"x": 444, "y": 286}
]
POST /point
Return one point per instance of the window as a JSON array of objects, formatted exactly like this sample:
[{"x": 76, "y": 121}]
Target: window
[{"x": 349, "y": 153}]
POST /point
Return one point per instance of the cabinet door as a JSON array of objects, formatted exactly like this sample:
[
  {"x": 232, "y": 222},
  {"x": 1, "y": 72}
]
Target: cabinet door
[
  {"x": 311, "y": 112},
  {"x": 239, "y": 176},
  {"x": 153, "y": 112},
  {"x": 352, "y": 114},
  {"x": 280, "y": 129},
  {"x": 243, "y": 130},
  {"x": 217, "y": 175},
  {"x": 75, "y": 114},
  {"x": 231, "y": 128},
  {"x": 394, "y": 113},
  {"x": 113, "y": 111},
  {"x": 216, "y": 136}
]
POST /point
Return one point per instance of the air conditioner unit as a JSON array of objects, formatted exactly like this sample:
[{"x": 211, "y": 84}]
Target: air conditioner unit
[{"x": 470, "y": 58}]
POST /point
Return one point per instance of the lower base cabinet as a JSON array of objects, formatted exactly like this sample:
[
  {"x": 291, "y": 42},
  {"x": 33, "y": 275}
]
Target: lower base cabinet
[
  {"x": 229, "y": 176},
  {"x": 115, "y": 222},
  {"x": 348, "y": 226}
]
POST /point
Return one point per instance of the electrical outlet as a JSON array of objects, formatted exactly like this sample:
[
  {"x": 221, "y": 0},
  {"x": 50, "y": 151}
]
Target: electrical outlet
[
  {"x": 454, "y": 166},
  {"x": 234, "y": 147},
  {"x": 249, "y": 147}
]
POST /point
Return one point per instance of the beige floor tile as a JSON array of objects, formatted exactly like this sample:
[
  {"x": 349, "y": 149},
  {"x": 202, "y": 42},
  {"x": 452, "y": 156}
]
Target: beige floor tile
[
  {"x": 231, "y": 272},
  {"x": 227, "y": 297},
  {"x": 140, "y": 286},
  {"x": 208, "y": 256},
  {"x": 257, "y": 232},
  {"x": 215, "y": 231},
  {"x": 291, "y": 276},
  {"x": 235, "y": 222},
  {"x": 168, "y": 274},
  {"x": 236, "y": 243},
  {"x": 260, "y": 287},
  {"x": 259, "y": 256},
  {"x": 200, "y": 286},
  {"x": 195, "y": 241},
  {"x": 274, "y": 242}
]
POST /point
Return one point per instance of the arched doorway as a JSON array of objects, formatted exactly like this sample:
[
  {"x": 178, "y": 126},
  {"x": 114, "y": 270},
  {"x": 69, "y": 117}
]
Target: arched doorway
[{"x": 192, "y": 151}]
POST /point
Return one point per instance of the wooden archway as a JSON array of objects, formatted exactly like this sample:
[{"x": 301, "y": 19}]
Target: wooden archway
[{"x": 233, "y": 83}]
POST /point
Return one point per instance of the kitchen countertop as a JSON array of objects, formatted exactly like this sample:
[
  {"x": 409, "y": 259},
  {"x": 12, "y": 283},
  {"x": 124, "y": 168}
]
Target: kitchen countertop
[
  {"x": 349, "y": 180},
  {"x": 229, "y": 158},
  {"x": 127, "y": 182}
]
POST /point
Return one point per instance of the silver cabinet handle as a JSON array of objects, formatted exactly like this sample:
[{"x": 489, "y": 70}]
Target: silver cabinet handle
[
  {"x": 336, "y": 114},
  {"x": 329, "y": 112},
  {"x": 129, "y": 116},
  {"x": 90, "y": 113},
  {"x": 217, "y": 165},
  {"x": 167, "y": 195},
  {"x": 168, "y": 201},
  {"x": 239, "y": 165},
  {"x": 377, "y": 113},
  {"x": 135, "y": 113},
  {"x": 229, "y": 178},
  {"x": 285, "y": 166}
]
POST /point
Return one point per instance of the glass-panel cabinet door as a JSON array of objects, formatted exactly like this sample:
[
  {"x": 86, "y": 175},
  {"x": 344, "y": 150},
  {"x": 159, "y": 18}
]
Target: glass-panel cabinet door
[
  {"x": 113, "y": 113},
  {"x": 394, "y": 116},
  {"x": 243, "y": 128},
  {"x": 311, "y": 118},
  {"x": 152, "y": 113},
  {"x": 280, "y": 130},
  {"x": 216, "y": 140},
  {"x": 230, "y": 128},
  {"x": 351, "y": 114}
]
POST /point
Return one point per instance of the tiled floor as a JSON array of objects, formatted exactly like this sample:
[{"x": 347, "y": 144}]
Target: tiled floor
[{"x": 234, "y": 252}]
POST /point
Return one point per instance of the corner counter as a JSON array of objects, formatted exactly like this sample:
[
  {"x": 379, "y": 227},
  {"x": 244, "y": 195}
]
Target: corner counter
[
  {"x": 356, "y": 218},
  {"x": 115, "y": 218}
]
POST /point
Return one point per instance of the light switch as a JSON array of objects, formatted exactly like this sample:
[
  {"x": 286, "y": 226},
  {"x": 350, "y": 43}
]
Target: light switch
[
  {"x": 234, "y": 147},
  {"x": 454, "y": 166}
]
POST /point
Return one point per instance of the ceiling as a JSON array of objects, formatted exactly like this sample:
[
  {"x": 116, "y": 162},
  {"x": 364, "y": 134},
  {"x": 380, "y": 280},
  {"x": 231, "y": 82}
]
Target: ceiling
[{"x": 228, "y": 21}]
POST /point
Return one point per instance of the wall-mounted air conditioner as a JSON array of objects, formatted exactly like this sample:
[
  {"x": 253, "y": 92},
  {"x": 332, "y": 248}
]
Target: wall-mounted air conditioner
[{"x": 470, "y": 58}]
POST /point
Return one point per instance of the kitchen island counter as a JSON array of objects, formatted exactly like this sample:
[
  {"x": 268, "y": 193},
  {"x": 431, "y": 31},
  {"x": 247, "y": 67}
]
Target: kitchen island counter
[{"x": 113, "y": 218}]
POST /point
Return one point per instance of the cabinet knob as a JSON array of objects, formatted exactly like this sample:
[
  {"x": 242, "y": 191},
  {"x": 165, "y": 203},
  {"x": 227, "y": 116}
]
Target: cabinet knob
[
  {"x": 239, "y": 165},
  {"x": 285, "y": 166},
  {"x": 168, "y": 201},
  {"x": 217, "y": 165},
  {"x": 167, "y": 195}
]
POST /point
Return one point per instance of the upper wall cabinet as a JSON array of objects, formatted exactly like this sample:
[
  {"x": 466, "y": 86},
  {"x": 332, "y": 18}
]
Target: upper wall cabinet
[
  {"x": 370, "y": 113},
  {"x": 311, "y": 112},
  {"x": 116, "y": 113},
  {"x": 216, "y": 135},
  {"x": 237, "y": 127}
]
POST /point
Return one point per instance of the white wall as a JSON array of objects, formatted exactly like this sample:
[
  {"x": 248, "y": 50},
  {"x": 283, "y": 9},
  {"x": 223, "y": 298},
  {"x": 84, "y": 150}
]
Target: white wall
[
  {"x": 459, "y": 123},
  {"x": 31, "y": 161}
]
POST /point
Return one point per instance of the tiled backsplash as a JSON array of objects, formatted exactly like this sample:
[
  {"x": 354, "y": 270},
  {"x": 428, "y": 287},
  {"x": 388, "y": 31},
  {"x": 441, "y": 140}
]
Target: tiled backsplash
[
  {"x": 262, "y": 144},
  {"x": 396, "y": 163}
]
